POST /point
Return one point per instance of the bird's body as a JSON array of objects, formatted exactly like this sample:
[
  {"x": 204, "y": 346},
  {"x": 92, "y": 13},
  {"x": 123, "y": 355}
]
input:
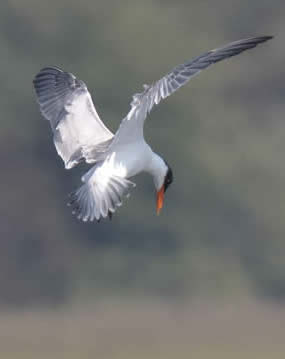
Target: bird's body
[
  {"x": 107, "y": 182},
  {"x": 129, "y": 160},
  {"x": 79, "y": 134}
]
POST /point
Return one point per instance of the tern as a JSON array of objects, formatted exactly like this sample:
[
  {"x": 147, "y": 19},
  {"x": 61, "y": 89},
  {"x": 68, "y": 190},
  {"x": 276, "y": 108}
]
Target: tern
[{"x": 80, "y": 135}]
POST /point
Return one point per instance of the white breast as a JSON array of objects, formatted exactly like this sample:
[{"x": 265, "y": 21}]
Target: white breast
[{"x": 127, "y": 161}]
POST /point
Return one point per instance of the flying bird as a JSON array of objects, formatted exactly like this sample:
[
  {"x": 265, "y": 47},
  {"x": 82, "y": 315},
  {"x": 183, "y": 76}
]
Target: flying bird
[{"x": 79, "y": 133}]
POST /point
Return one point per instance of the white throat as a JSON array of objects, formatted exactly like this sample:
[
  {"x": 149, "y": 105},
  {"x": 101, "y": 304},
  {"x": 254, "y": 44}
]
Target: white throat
[{"x": 158, "y": 169}]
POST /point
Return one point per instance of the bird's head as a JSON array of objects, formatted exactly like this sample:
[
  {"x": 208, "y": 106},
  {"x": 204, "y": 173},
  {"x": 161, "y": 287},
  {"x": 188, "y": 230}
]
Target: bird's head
[{"x": 162, "y": 181}]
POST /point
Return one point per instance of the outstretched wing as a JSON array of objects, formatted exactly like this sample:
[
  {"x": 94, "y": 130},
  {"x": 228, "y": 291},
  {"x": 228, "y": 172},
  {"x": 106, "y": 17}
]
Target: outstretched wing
[
  {"x": 131, "y": 128},
  {"x": 66, "y": 103}
]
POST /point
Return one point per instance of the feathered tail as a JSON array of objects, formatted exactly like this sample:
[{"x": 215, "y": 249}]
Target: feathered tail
[{"x": 99, "y": 196}]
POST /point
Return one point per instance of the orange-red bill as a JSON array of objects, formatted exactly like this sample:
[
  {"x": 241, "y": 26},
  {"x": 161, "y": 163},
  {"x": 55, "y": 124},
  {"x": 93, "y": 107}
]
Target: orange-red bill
[{"x": 159, "y": 200}]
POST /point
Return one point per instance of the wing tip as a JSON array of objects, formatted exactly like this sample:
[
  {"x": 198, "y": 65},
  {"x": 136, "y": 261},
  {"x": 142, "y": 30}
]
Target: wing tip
[
  {"x": 263, "y": 38},
  {"x": 268, "y": 37}
]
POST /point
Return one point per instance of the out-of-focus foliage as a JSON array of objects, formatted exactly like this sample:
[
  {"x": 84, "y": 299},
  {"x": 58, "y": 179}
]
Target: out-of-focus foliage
[{"x": 222, "y": 228}]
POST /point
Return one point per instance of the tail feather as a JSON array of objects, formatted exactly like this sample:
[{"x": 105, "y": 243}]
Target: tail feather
[{"x": 99, "y": 196}]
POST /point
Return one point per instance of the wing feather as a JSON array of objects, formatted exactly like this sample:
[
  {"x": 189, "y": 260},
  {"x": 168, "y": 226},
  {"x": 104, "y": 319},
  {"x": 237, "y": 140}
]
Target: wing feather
[
  {"x": 66, "y": 103},
  {"x": 132, "y": 124}
]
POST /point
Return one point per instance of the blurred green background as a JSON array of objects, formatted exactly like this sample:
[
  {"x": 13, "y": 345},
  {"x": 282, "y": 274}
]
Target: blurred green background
[{"x": 206, "y": 277}]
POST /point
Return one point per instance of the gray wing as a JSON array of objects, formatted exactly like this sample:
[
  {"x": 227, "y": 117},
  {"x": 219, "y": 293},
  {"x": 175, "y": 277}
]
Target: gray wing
[
  {"x": 132, "y": 125},
  {"x": 66, "y": 103}
]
